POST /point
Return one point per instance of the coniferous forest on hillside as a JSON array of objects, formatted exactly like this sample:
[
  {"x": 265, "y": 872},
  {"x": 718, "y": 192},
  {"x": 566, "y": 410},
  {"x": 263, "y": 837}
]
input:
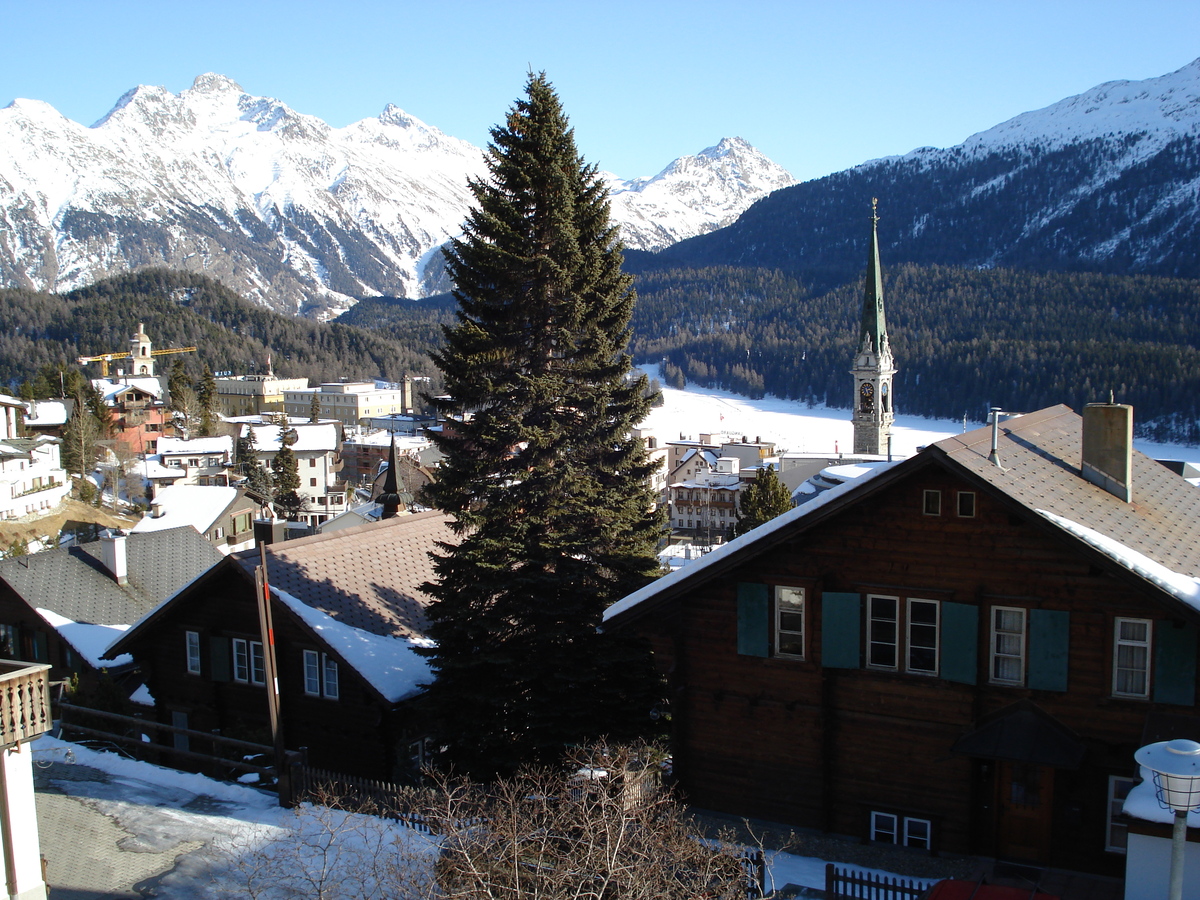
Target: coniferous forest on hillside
[{"x": 964, "y": 339}]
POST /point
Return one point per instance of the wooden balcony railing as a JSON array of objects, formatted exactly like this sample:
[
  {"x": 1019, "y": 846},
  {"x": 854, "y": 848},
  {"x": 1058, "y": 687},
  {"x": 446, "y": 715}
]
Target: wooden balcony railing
[{"x": 24, "y": 702}]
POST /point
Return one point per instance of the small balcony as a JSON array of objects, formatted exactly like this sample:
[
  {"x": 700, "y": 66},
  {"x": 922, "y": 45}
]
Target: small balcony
[{"x": 24, "y": 702}]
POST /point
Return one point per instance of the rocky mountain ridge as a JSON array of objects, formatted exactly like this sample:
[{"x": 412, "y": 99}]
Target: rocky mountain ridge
[{"x": 280, "y": 206}]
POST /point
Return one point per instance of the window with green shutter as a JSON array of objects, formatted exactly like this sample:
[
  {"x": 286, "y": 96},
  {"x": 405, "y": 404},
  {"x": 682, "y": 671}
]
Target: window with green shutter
[
  {"x": 960, "y": 642},
  {"x": 841, "y": 630},
  {"x": 1175, "y": 662},
  {"x": 1049, "y": 647},
  {"x": 753, "y": 619}
]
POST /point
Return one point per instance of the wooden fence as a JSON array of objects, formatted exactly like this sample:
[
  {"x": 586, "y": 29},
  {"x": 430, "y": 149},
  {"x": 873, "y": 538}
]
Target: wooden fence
[{"x": 844, "y": 883}]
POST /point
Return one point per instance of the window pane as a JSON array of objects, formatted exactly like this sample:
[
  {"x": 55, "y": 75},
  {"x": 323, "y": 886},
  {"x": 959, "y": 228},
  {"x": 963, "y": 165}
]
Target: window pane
[
  {"x": 312, "y": 674},
  {"x": 883, "y": 634},
  {"x": 789, "y": 621},
  {"x": 884, "y": 827},
  {"x": 1132, "y": 631},
  {"x": 241, "y": 661},
  {"x": 922, "y": 635},
  {"x": 916, "y": 833},
  {"x": 258, "y": 669},
  {"x": 331, "y": 679}
]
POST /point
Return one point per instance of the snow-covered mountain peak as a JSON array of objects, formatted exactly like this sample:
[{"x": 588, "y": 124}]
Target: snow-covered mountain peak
[
  {"x": 284, "y": 207},
  {"x": 212, "y": 82},
  {"x": 1161, "y": 108}
]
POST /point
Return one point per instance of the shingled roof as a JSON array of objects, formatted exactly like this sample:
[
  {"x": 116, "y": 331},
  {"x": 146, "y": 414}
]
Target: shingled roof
[
  {"x": 1156, "y": 535},
  {"x": 1040, "y": 457},
  {"x": 74, "y": 583},
  {"x": 368, "y": 577}
]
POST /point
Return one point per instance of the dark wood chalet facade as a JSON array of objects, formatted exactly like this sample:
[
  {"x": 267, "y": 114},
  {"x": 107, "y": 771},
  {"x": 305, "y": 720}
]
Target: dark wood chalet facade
[
  {"x": 347, "y": 611},
  {"x": 957, "y": 653}
]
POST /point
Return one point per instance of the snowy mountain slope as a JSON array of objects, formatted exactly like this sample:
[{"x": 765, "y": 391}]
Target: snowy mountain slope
[
  {"x": 279, "y": 205},
  {"x": 1108, "y": 181}
]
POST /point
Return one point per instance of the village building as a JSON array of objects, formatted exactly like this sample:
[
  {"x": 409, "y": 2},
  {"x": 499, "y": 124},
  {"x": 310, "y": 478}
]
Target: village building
[
  {"x": 318, "y": 463},
  {"x": 140, "y": 414},
  {"x": 32, "y": 479},
  {"x": 351, "y": 403},
  {"x": 223, "y": 515},
  {"x": 255, "y": 395},
  {"x": 65, "y": 606},
  {"x": 202, "y": 461},
  {"x": 348, "y": 615},
  {"x": 959, "y": 652}
]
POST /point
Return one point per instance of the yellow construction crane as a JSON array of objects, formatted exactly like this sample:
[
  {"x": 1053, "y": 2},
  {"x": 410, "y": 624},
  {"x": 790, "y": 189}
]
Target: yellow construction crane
[{"x": 105, "y": 358}]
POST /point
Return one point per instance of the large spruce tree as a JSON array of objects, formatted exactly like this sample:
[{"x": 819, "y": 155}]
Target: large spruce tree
[
  {"x": 762, "y": 500},
  {"x": 548, "y": 489}
]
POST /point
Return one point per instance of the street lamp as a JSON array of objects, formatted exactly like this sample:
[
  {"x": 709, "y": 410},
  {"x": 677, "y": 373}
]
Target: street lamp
[{"x": 1176, "y": 768}]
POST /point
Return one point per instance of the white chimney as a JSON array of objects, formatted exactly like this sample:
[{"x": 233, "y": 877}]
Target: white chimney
[
  {"x": 112, "y": 554},
  {"x": 156, "y": 509}
]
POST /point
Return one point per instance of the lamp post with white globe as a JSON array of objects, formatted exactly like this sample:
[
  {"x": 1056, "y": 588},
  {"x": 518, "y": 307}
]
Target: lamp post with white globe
[{"x": 1176, "y": 768}]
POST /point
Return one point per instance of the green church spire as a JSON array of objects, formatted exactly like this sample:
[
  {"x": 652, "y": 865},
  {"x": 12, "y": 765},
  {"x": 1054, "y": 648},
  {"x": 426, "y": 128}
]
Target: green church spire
[{"x": 874, "y": 326}]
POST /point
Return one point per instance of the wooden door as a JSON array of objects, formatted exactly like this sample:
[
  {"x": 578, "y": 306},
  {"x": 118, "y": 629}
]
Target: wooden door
[{"x": 1024, "y": 811}]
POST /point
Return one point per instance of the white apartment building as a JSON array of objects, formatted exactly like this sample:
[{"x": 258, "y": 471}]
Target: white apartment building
[
  {"x": 318, "y": 464},
  {"x": 203, "y": 461},
  {"x": 351, "y": 402},
  {"x": 32, "y": 478}
]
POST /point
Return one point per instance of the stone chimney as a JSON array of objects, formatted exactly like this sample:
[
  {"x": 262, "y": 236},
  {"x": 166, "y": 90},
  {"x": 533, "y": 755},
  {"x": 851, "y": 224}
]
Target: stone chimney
[
  {"x": 1108, "y": 448},
  {"x": 112, "y": 554}
]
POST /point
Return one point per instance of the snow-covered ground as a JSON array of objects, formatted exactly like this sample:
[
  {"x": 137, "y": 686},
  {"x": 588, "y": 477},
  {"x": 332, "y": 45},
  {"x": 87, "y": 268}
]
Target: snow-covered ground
[
  {"x": 797, "y": 429},
  {"x": 239, "y": 827}
]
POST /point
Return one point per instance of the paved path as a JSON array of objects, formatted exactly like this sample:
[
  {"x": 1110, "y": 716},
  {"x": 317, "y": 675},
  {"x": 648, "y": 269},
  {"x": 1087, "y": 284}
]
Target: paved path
[{"x": 89, "y": 855}]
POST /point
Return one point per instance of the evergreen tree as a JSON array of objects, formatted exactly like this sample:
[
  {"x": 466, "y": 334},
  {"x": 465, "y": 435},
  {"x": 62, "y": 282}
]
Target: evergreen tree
[
  {"x": 761, "y": 500},
  {"x": 286, "y": 478},
  {"x": 548, "y": 489},
  {"x": 258, "y": 485},
  {"x": 314, "y": 407},
  {"x": 206, "y": 398}
]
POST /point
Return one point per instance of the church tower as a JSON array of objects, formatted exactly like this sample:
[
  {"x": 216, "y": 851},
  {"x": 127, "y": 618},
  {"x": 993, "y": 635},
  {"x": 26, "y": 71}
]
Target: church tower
[
  {"x": 141, "y": 358},
  {"x": 873, "y": 366}
]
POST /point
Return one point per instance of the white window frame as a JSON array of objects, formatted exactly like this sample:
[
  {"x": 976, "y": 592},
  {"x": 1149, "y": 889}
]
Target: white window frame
[
  {"x": 931, "y": 502},
  {"x": 1118, "y": 789},
  {"x": 911, "y": 840},
  {"x": 312, "y": 673},
  {"x": 877, "y": 627},
  {"x": 885, "y": 827},
  {"x": 248, "y": 662},
  {"x": 192, "y": 643},
  {"x": 1146, "y": 645},
  {"x": 994, "y": 645},
  {"x": 912, "y": 644},
  {"x": 789, "y": 601},
  {"x": 959, "y": 498},
  {"x": 321, "y": 675}
]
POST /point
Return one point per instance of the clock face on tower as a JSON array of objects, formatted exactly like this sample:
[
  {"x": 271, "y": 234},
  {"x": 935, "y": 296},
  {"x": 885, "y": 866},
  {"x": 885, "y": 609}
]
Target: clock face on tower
[{"x": 866, "y": 397}]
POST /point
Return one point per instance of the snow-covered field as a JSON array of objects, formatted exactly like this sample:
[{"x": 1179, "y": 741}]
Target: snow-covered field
[{"x": 797, "y": 429}]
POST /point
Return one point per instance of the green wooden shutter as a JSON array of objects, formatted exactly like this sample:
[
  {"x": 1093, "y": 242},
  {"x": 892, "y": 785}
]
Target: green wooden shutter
[
  {"x": 218, "y": 649},
  {"x": 1175, "y": 663},
  {"x": 753, "y": 612},
  {"x": 841, "y": 630},
  {"x": 1049, "y": 647},
  {"x": 960, "y": 642}
]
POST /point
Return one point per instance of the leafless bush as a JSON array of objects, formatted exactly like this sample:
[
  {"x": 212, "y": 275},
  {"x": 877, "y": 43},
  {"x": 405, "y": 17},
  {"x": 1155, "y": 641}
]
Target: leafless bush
[{"x": 601, "y": 827}]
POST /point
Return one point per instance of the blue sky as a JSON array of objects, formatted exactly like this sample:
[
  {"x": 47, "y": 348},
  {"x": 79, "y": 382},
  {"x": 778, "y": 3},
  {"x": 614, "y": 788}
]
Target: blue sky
[{"x": 817, "y": 86}]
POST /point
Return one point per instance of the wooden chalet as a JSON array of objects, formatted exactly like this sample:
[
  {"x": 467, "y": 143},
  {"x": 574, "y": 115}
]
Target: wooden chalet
[
  {"x": 65, "y": 606},
  {"x": 348, "y": 611},
  {"x": 958, "y": 652}
]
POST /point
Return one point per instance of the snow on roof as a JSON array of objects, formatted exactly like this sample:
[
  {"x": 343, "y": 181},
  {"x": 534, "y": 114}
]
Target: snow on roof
[
  {"x": 152, "y": 467},
  {"x": 47, "y": 412},
  {"x": 380, "y": 439},
  {"x": 110, "y": 388},
  {"x": 389, "y": 664},
  {"x": 187, "y": 504},
  {"x": 222, "y": 444},
  {"x": 89, "y": 641},
  {"x": 781, "y": 521},
  {"x": 1182, "y": 587},
  {"x": 319, "y": 437}
]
